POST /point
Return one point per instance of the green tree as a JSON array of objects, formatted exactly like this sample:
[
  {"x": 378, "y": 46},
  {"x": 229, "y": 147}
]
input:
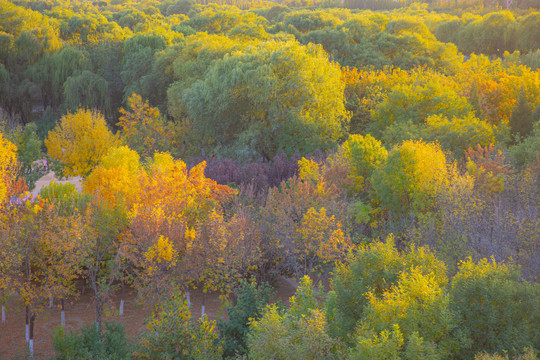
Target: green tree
[
  {"x": 172, "y": 334},
  {"x": 87, "y": 90},
  {"x": 365, "y": 154},
  {"x": 497, "y": 311},
  {"x": 276, "y": 96},
  {"x": 250, "y": 303},
  {"x": 374, "y": 269},
  {"x": 410, "y": 178},
  {"x": 297, "y": 333},
  {"x": 521, "y": 121}
]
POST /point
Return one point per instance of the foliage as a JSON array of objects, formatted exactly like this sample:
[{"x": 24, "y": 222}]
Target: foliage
[
  {"x": 288, "y": 97},
  {"x": 459, "y": 134},
  {"x": 80, "y": 141},
  {"x": 365, "y": 155},
  {"x": 143, "y": 128},
  {"x": 410, "y": 177},
  {"x": 296, "y": 333},
  {"x": 108, "y": 343},
  {"x": 171, "y": 333},
  {"x": 251, "y": 300},
  {"x": 116, "y": 178},
  {"x": 28, "y": 152},
  {"x": 496, "y": 311},
  {"x": 8, "y": 160},
  {"x": 64, "y": 197}
]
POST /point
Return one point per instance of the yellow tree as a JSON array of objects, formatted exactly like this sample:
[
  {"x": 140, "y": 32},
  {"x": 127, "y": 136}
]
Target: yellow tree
[
  {"x": 8, "y": 161},
  {"x": 116, "y": 178},
  {"x": 144, "y": 129},
  {"x": 42, "y": 253},
  {"x": 80, "y": 141},
  {"x": 169, "y": 216}
]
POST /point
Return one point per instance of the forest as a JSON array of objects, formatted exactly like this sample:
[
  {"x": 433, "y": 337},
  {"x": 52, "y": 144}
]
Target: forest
[{"x": 384, "y": 155}]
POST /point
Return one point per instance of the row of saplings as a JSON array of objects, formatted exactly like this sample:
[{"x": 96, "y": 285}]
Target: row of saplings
[{"x": 383, "y": 304}]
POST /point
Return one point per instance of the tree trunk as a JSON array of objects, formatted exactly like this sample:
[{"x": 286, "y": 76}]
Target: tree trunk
[
  {"x": 188, "y": 300},
  {"x": 203, "y": 303},
  {"x": 99, "y": 311},
  {"x": 62, "y": 314},
  {"x": 121, "y": 311},
  {"x": 31, "y": 342},
  {"x": 27, "y": 337},
  {"x": 3, "y": 314}
]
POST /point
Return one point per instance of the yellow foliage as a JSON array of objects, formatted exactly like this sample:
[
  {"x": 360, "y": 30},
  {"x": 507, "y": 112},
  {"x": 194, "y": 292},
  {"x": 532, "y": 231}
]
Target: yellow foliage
[
  {"x": 162, "y": 252},
  {"x": 80, "y": 141},
  {"x": 8, "y": 160},
  {"x": 117, "y": 177}
]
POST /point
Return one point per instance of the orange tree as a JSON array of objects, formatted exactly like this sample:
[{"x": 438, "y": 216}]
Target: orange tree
[{"x": 168, "y": 222}]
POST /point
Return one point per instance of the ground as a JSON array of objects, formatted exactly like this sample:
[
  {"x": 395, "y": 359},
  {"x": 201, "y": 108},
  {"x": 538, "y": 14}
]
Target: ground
[{"x": 82, "y": 311}]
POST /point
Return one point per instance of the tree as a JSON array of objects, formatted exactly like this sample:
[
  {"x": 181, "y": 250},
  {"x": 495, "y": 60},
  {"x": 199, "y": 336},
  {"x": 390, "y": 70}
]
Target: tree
[
  {"x": 251, "y": 300},
  {"x": 116, "y": 178},
  {"x": 80, "y": 141},
  {"x": 374, "y": 269},
  {"x": 103, "y": 261},
  {"x": 522, "y": 120},
  {"x": 410, "y": 177},
  {"x": 273, "y": 97},
  {"x": 8, "y": 161},
  {"x": 496, "y": 310},
  {"x": 298, "y": 332},
  {"x": 45, "y": 252},
  {"x": 365, "y": 155},
  {"x": 144, "y": 129},
  {"x": 458, "y": 134},
  {"x": 87, "y": 90},
  {"x": 172, "y": 334}
]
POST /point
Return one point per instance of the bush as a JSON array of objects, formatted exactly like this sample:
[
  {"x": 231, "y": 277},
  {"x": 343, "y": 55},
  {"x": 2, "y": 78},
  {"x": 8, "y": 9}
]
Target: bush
[
  {"x": 249, "y": 306},
  {"x": 172, "y": 334},
  {"x": 105, "y": 343},
  {"x": 496, "y": 310}
]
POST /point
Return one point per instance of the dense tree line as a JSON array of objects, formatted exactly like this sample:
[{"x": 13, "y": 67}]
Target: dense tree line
[{"x": 391, "y": 155}]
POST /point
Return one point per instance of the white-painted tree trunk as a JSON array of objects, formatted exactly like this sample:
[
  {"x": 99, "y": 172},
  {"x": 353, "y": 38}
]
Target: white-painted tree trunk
[
  {"x": 63, "y": 318},
  {"x": 121, "y": 312},
  {"x": 202, "y": 312},
  {"x": 51, "y": 301},
  {"x": 3, "y": 314},
  {"x": 188, "y": 300},
  {"x": 27, "y": 332},
  {"x": 31, "y": 347}
]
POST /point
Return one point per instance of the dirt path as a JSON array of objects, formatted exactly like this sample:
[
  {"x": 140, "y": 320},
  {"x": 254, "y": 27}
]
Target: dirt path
[
  {"x": 46, "y": 180},
  {"x": 80, "y": 312}
]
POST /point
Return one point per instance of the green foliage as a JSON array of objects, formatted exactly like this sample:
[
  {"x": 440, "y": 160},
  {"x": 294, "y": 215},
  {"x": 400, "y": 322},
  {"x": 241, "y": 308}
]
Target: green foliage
[
  {"x": 410, "y": 177},
  {"x": 272, "y": 97},
  {"x": 522, "y": 119},
  {"x": 251, "y": 301},
  {"x": 87, "y": 90},
  {"x": 529, "y": 354},
  {"x": 374, "y": 269},
  {"x": 65, "y": 197},
  {"x": 29, "y": 150},
  {"x": 299, "y": 333},
  {"x": 528, "y": 150},
  {"x": 107, "y": 343},
  {"x": 496, "y": 310},
  {"x": 414, "y": 103},
  {"x": 172, "y": 334},
  {"x": 459, "y": 134},
  {"x": 365, "y": 155}
]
